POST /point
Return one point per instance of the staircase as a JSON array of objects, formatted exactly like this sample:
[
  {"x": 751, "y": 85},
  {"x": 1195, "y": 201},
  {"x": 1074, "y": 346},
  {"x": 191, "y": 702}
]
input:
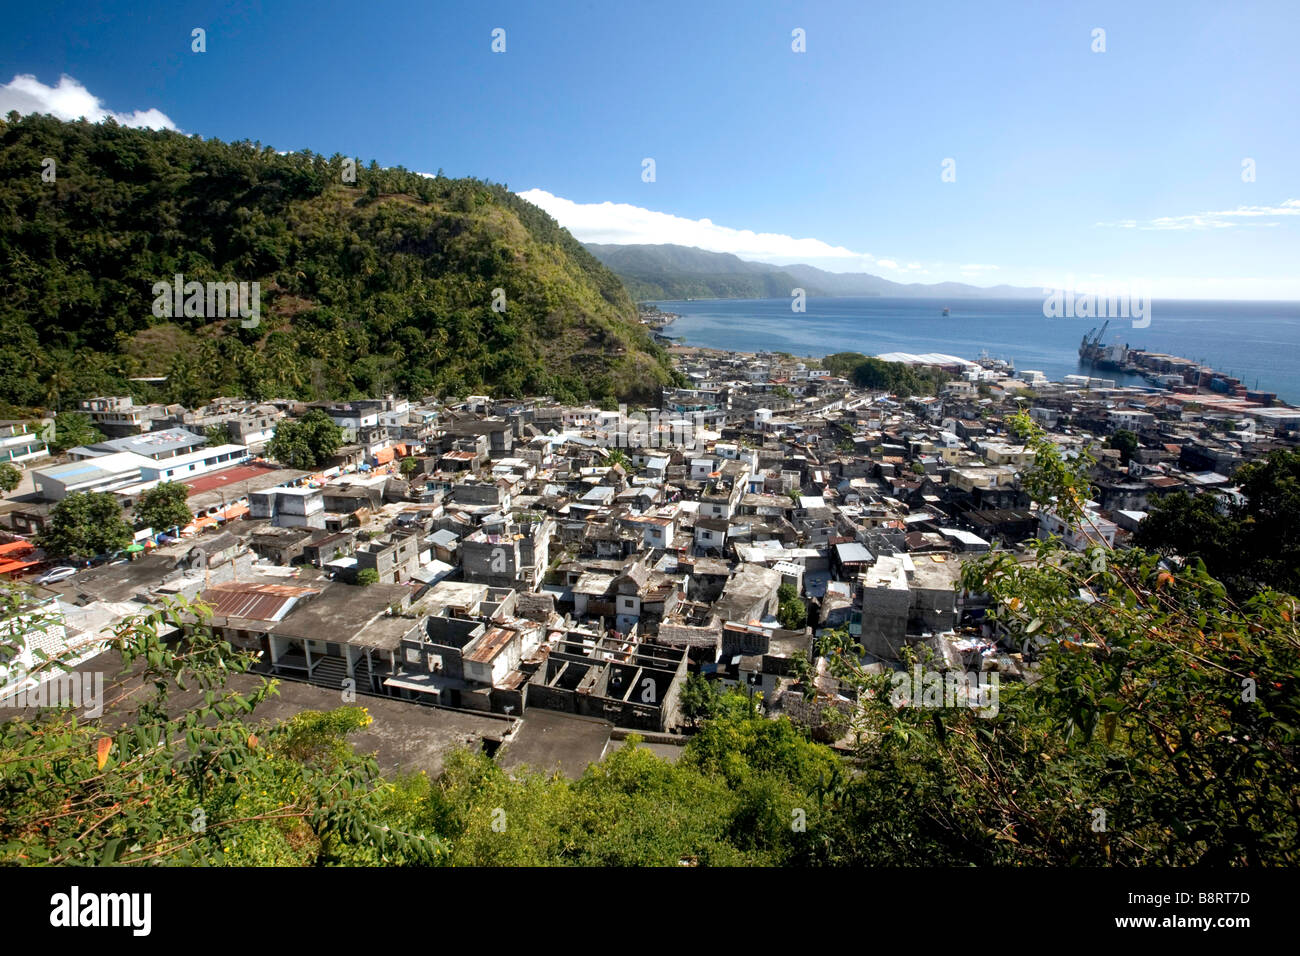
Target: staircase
[
  {"x": 330, "y": 672},
  {"x": 362, "y": 669}
]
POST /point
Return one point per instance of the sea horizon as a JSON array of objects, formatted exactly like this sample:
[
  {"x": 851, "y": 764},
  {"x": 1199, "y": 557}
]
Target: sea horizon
[{"x": 1254, "y": 340}]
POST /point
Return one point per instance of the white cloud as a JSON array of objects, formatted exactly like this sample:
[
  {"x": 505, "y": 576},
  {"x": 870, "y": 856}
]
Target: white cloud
[
  {"x": 71, "y": 101},
  {"x": 626, "y": 224},
  {"x": 1222, "y": 219}
]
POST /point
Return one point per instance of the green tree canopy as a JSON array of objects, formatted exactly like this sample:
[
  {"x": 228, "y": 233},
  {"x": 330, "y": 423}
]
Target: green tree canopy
[
  {"x": 10, "y": 477},
  {"x": 73, "y": 429},
  {"x": 699, "y": 698},
  {"x": 306, "y": 443},
  {"x": 842, "y": 364},
  {"x": 1247, "y": 546},
  {"x": 897, "y": 378},
  {"x": 163, "y": 507},
  {"x": 791, "y": 610},
  {"x": 219, "y": 435},
  {"x": 385, "y": 284},
  {"x": 1125, "y": 442},
  {"x": 85, "y": 525},
  {"x": 200, "y": 785}
]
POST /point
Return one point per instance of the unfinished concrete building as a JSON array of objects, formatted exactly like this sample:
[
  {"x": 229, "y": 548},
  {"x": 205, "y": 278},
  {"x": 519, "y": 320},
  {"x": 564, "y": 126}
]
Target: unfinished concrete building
[
  {"x": 630, "y": 683},
  {"x": 905, "y": 602},
  {"x": 515, "y": 557},
  {"x": 394, "y": 559}
]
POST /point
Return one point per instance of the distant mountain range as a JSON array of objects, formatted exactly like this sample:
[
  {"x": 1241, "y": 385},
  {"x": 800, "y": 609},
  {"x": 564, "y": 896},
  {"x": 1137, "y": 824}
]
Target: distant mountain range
[{"x": 670, "y": 271}]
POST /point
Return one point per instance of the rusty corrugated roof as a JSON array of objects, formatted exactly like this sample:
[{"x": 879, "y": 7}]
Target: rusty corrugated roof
[
  {"x": 257, "y": 602},
  {"x": 490, "y": 645}
]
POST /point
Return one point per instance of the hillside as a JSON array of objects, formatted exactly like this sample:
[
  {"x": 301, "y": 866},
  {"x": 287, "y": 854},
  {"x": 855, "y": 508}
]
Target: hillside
[
  {"x": 382, "y": 284},
  {"x": 656, "y": 272},
  {"x": 682, "y": 272}
]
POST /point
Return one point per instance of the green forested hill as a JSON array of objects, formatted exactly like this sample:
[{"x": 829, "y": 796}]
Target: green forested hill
[
  {"x": 384, "y": 284},
  {"x": 669, "y": 271}
]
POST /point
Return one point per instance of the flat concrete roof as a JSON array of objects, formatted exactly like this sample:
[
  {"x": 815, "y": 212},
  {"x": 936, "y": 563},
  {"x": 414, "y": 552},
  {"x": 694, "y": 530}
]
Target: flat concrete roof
[
  {"x": 550, "y": 741},
  {"x": 403, "y": 737},
  {"x": 339, "y": 611}
]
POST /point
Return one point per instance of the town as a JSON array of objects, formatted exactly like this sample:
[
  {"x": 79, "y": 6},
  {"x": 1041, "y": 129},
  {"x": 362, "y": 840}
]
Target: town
[{"x": 547, "y": 579}]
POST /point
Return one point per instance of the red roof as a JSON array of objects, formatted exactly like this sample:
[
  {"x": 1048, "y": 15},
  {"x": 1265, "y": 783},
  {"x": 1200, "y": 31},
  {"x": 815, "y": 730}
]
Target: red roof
[{"x": 228, "y": 476}]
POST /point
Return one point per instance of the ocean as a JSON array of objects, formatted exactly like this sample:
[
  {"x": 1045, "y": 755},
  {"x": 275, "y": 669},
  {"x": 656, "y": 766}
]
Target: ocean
[{"x": 1258, "y": 342}]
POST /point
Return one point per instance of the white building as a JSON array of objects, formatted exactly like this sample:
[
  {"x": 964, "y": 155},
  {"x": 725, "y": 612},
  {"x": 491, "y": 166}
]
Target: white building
[
  {"x": 18, "y": 443},
  {"x": 1091, "y": 529},
  {"x": 200, "y": 462},
  {"x": 1131, "y": 419},
  {"x": 106, "y": 473}
]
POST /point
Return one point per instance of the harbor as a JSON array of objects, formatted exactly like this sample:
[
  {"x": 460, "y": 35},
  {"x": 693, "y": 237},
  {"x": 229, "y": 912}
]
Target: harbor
[{"x": 1171, "y": 372}]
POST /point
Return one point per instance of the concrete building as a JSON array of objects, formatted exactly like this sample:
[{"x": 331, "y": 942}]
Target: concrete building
[
  {"x": 114, "y": 472},
  {"x": 394, "y": 559},
  {"x": 1091, "y": 529},
  {"x": 289, "y": 507},
  {"x": 118, "y": 416},
  {"x": 515, "y": 556},
  {"x": 630, "y": 683},
  {"x": 18, "y": 443},
  {"x": 158, "y": 445},
  {"x": 906, "y": 602},
  {"x": 201, "y": 462},
  {"x": 750, "y": 594}
]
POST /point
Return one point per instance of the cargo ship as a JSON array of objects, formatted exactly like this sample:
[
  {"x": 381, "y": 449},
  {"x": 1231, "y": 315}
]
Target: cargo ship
[{"x": 1093, "y": 352}]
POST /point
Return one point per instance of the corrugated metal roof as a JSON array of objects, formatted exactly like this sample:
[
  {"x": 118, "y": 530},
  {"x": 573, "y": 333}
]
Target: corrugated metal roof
[
  {"x": 257, "y": 602},
  {"x": 490, "y": 645}
]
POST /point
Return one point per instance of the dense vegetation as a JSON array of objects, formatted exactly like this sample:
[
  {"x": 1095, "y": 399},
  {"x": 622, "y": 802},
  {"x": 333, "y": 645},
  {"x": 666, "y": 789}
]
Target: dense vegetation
[
  {"x": 385, "y": 283},
  {"x": 85, "y": 525},
  {"x": 10, "y": 477},
  {"x": 163, "y": 507},
  {"x": 1126, "y": 443},
  {"x": 893, "y": 377},
  {"x": 1252, "y": 545},
  {"x": 307, "y": 442},
  {"x": 72, "y": 430}
]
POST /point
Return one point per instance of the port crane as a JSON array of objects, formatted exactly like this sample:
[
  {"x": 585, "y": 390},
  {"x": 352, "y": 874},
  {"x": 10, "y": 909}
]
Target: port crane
[
  {"x": 1095, "y": 340},
  {"x": 1090, "y": 347}
]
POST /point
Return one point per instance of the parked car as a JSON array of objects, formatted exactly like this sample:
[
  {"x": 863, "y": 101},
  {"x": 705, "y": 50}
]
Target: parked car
[{"x": 56, "y": 574}]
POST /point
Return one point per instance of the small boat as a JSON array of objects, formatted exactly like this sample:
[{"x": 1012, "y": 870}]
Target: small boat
[{"x": 945, "y": 311}]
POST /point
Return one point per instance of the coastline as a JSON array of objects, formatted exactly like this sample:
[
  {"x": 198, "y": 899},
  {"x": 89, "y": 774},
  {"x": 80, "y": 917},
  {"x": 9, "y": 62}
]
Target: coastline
[{"x": 1248, "y": 341}]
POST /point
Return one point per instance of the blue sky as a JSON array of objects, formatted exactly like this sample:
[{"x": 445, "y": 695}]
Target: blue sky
[{"x": 1070, "y": 165}]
